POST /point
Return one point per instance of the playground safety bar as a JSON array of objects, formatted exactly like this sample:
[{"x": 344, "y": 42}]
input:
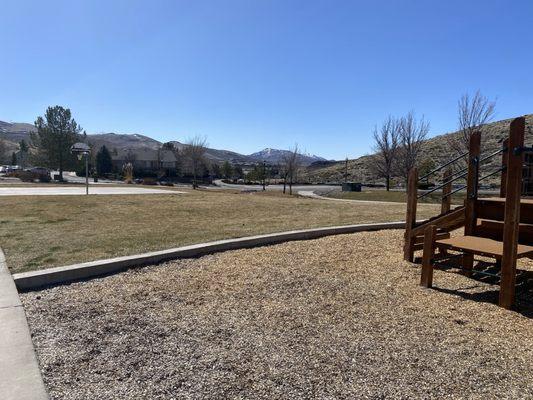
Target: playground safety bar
[
  {"x": 442, "y": 185},
  {"x": 458, "y": 172},
  {"x": 464, "y": 172},
  {"x": 443, "y": 166},
  {"x": 493, "y": 154},
  {"x": 487, "y": 157},
  {"x": 454, "y": 191},
  {"x": 492, "y": 173}
]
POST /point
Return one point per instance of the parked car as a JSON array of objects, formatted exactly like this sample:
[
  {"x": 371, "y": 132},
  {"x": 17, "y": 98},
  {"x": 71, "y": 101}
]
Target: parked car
[
  {"x": 11, "y": 169},
  {"x": 41, "y": 173},
  {"x": 4, "y": 169}
]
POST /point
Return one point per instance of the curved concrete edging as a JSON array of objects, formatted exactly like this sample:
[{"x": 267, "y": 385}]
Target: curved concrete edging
[
  {"x": 19, "y": 369},
  {"x": 53, "y": 276}
]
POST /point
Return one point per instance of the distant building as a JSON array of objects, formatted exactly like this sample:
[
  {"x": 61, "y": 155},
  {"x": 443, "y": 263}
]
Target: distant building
[{"x": 146, "y": 159}]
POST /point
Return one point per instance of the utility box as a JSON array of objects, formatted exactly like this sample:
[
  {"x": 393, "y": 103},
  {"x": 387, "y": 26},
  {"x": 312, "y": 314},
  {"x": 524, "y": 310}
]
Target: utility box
[{"x": 351, "y": 187}]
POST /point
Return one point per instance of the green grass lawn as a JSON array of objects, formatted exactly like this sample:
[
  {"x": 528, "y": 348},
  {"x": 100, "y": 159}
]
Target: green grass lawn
[{"x": 45, "y": 231}]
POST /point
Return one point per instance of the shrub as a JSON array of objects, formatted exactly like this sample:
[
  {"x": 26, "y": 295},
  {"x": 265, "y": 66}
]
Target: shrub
[
  {"x": 149, "y": 181},
  {"x": 25, "y": 176}
]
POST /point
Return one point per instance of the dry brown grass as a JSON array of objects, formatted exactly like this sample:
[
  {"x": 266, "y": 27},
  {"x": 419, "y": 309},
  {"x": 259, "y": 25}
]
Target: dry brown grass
[
  {"x": 341, "y": 317},
  {"x": 45, "y": 231}
]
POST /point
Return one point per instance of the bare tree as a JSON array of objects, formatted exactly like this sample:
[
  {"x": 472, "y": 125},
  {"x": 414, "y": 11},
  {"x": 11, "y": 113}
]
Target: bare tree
[
  {"x": 413, "y": 132},
  {"x": 130, "y": 157},
  {"x": 283, "y": 171},
  {"x": 473, "y": 112},
  {"x": 194, "y": 152},
  {"x": 3, "y": 150},
  {"x": 386, "y": 146},
  {"x": 291, "y": 164}
]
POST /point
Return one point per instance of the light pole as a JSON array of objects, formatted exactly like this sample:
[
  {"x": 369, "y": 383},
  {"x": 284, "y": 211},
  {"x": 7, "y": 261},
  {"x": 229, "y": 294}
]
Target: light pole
[
  {"x": 82, "y": 149},
  {"x": 264, "y": 175}
]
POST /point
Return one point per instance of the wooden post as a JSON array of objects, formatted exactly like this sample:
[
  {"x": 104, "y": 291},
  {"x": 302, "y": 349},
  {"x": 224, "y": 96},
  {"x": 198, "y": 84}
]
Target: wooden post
[
  {"x": 505, "y": 157},
  {"x": 446, "y": 190},
  {"x": 503, "y": 180},
  {"x": 426, "y": 278},
  {"x": 512, "y": 212},
  {"x": 410, "y": 218},
  {"x": 471, "y": 194}
]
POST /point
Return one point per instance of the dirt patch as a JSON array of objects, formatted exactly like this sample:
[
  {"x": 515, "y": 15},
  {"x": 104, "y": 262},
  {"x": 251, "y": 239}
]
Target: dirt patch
[{"x": 337, "y": 317}]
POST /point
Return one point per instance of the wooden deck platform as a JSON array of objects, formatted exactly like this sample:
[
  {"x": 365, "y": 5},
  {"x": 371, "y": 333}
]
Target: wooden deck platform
[{"x": 481, "y": 246}]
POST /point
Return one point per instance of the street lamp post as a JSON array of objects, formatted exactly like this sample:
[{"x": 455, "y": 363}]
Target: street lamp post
[
  {"x": 81, "y": 150},
  {"x": 264, "y": 175},
  {"x": 86, "y": 173}
]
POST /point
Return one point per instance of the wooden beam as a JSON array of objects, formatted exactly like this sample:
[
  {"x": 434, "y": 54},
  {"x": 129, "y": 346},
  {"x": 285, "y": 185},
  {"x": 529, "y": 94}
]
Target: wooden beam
[
  {"x": 440, "y": 235},
  {"x": 494, "y": 209},
  {"x": 450, "y": 221},
  {"x": 512, "y": 212},
  {"x": 426, "y": 278},
  {"x": 410, "y": 217},
  {"x": 505, "y": 157},
  {"x": 471, "y": 182},
  {"x": 471, "y": 194},
  {"x": 446, "y": 190},
  {"x": 494, "y": 230}
]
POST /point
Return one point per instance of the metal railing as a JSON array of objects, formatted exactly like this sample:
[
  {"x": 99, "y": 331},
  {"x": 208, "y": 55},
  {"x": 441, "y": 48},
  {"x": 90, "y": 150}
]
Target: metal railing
[
  {"x": 462, "y": 173},
  {"x": 444, "y": 184},
  {"x": 443, "y": 166}
]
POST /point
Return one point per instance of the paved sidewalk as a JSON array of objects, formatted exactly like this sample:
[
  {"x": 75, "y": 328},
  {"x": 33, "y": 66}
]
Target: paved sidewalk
[
  {"x": 19, "y": 370},
  {"x": 80, "y": 190}
]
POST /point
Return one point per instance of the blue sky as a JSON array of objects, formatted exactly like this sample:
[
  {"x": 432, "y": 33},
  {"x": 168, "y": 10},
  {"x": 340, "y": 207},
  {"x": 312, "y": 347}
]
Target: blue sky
[{"x": 254, "y": 74}]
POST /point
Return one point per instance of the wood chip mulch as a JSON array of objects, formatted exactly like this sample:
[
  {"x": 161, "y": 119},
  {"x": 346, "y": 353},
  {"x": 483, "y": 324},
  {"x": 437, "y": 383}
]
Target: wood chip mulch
[{"x": 341, "y": 317}]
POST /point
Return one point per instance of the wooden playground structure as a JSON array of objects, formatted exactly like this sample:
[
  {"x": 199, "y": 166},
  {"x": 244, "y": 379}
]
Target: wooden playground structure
[{"x": 500, "y": 228}]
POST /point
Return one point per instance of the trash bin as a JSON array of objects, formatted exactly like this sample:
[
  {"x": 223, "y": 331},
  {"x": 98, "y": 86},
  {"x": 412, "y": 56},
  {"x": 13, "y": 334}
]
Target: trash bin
[{"x": 351, "y": 187}]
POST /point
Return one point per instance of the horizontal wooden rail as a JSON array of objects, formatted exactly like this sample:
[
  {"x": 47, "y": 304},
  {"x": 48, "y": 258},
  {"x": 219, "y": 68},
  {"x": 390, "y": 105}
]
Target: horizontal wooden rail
[{"x": 452, "y": 219}]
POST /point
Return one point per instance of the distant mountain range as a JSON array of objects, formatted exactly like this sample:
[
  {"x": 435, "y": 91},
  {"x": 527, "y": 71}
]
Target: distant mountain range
[
  {"x": 435, "y": 149},
  {"x": 13, "y": 133}
]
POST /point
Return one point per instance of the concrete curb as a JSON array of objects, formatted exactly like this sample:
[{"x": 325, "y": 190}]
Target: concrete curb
[
  {"x": 53, "y": 276},
  {"x": 19, "y": 369}
]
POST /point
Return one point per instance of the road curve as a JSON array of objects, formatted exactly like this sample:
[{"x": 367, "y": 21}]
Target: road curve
[{"x": 276, "y": 187}]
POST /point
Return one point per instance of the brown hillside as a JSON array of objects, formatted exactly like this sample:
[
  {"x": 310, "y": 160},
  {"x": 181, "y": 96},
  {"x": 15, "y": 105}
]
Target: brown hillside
[{"x": 435, "y": 149}]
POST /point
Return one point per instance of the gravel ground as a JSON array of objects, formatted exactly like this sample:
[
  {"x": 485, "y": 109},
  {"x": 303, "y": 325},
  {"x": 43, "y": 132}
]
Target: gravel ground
[{"x": 340, "y": 317}]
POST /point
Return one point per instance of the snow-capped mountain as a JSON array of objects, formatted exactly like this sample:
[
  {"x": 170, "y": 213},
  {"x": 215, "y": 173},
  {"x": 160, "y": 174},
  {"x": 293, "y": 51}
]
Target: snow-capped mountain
[
  {"x": 13, "y": 133},
  {"x": 274, "y": 156}
]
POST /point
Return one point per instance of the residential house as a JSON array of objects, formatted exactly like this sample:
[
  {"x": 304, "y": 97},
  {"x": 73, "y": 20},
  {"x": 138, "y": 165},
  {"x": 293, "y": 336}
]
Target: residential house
[{"x": 146, "y": 159}]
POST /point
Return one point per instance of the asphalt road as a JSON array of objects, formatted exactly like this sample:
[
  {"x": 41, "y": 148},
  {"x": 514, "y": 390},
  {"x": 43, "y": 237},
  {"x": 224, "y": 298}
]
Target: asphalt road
[
  {"x": 295, "y": 188},
  {"x": 73, "y": 178}
]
